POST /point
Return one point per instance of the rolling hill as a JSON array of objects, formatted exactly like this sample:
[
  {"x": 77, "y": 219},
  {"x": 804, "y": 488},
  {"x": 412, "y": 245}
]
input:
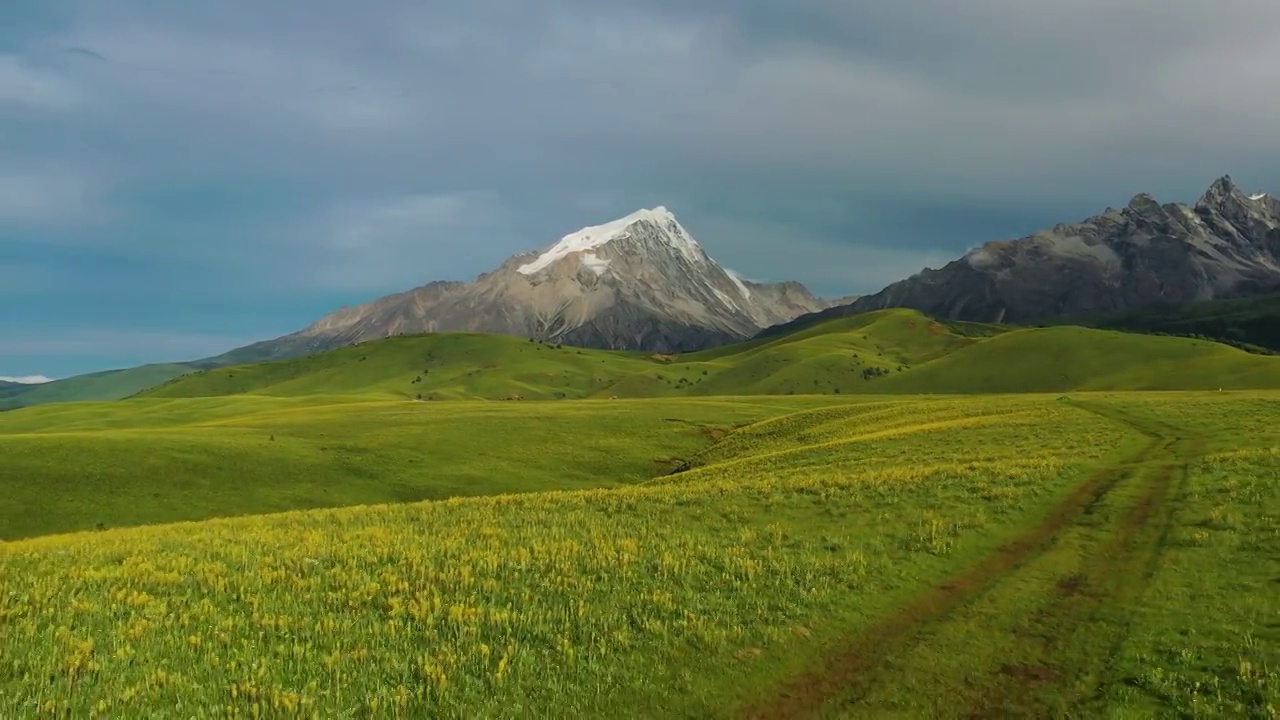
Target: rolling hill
[
  {"x": 1251, "y": 323},
  {"x": 93, "y": 387},
  {"x": 891, "y": 351},
  {"x": 73, "y": 466}
]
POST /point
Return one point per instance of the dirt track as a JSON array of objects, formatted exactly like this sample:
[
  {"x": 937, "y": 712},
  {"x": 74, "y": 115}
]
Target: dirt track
[{"x": 1057, "y": 654}]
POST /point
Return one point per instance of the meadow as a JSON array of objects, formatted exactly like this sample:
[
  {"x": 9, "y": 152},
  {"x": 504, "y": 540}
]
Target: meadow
[
  {"x": 87, "y": 465},
  {"x": 809, "y": 556},
  {"x": 884, "y": 352}
]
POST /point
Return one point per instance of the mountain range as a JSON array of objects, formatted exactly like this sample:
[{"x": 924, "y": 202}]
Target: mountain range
[
  {"x": 1225, "y": 245},
  {"x": 642, "y": 282}
]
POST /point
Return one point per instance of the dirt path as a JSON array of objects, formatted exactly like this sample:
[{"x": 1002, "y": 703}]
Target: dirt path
[{"x": 1053, "y": 600}]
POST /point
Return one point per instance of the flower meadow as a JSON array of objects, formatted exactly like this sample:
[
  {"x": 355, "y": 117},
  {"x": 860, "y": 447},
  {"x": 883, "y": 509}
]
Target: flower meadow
[{"x": 680, "y": 596}]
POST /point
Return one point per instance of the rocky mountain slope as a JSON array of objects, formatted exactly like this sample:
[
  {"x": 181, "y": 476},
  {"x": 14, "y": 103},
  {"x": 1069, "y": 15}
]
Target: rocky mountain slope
[
  {"x": 638, "y": 283},
  {"x": 1148, "y": 253}
]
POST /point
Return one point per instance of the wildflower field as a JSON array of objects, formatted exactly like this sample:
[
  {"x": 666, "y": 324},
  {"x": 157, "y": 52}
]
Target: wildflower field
[{"x": 899, "y": 557}]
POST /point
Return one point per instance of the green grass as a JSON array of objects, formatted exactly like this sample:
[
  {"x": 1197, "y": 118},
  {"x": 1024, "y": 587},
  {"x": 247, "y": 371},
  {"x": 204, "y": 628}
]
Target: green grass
[
  {"x": 888, "y": 351},
  {"x": 1060, "y": 359},
  {"x": 781, "y": 360},
  {"x": 891, "y": 351},
  {"x": 702, "y": 593},
  {"x": 76, "y": 466}
]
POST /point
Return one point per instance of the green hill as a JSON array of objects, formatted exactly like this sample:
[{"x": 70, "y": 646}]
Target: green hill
[
  {"x": 756, "y": 366},
  {"x": 838, "y": 356},
  {"x": 73, "y": 466},
  {"x": 94, "y": 387},
  {"x": 1059, "y": 359},
  {"x": 125, "y": 382},
  {"x": 888, "y": 351},
  {"x": 1251, "y": 323}
]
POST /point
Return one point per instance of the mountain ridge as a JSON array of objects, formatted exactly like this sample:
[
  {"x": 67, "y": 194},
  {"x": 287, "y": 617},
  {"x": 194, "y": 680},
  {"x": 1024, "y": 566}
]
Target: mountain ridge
[{"x": 1227, "y": 244}]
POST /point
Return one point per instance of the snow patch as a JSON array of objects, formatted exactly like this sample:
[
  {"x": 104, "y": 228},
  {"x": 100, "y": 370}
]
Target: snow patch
[
  {"x": 1258, "y": 196},
  {"x": 595, "y": 263},
  {"x": 728, "y": 301},
  {"x": 590, "y": 238},
  {"x": 737, "y": 280}
]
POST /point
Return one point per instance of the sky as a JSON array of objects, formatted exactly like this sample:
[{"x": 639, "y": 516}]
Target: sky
[{"x": 181, "y": 178}]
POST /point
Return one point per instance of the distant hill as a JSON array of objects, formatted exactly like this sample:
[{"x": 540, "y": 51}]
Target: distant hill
[
  {"x": 890, "y": 351},
  {"x": 100, "y": 386},
  {"x": 1251, "y": 323},
  {"x": 9, "y": 391}
]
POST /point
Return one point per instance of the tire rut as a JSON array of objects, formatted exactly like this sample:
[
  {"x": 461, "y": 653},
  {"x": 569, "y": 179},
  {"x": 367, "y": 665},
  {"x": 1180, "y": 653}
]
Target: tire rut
[{"x": 848, "y": 669}]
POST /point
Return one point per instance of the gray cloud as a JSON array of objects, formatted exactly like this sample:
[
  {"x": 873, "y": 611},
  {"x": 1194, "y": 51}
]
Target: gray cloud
[
  {"x": 326, "y": 148},
  {"x": 366, "y": 244}
]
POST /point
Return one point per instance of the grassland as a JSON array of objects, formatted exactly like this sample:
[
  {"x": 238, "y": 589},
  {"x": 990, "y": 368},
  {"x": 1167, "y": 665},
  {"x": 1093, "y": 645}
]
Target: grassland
[
  {"x": 79, "y": 466},
  {"x": 847, "y": 355},
  {"x": 890, "y": 351},
  {"x": 870, "y": 557}
]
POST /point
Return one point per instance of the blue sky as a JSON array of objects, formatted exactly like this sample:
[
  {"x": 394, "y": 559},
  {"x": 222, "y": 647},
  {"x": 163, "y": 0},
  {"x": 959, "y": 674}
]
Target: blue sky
[{"x": 177, "y": 179}]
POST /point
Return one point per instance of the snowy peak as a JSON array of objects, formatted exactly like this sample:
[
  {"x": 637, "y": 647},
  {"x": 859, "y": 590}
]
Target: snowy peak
[
  {"x": 640, "y": 282},
  {"x": 657, "y": 223}
]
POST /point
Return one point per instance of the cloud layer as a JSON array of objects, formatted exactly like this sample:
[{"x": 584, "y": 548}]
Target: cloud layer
[{"x": 238, "y": 168}]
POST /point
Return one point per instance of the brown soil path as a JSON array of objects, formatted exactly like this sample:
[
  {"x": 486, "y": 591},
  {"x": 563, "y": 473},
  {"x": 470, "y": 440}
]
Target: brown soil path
[{"x": 1073, "y": 632}]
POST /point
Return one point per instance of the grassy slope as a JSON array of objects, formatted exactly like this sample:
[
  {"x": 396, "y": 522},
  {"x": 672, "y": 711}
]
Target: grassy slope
[
  {"x": 460, "y": 365},
  {"x": 1059, "y": 359},
  {"x": 107, "y": 385},
  {"x": 678, "y": 597},
  {"x": 1251, "y": 321},
  {"x": 71, "y": 467},
  {"x": 9, "y": 390},
  {"x": 893, "y": 351}
]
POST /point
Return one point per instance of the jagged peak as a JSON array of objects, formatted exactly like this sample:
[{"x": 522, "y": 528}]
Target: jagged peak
[
  {"x": 1143, "y": 201},
  {"x": 1221, "y": 189},
  {"x": 596, "y": 236}
]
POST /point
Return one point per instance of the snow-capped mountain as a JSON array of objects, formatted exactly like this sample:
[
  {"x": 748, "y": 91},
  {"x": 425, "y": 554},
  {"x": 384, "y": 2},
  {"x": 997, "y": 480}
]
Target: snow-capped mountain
[{"x": 640, "y": 282}]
